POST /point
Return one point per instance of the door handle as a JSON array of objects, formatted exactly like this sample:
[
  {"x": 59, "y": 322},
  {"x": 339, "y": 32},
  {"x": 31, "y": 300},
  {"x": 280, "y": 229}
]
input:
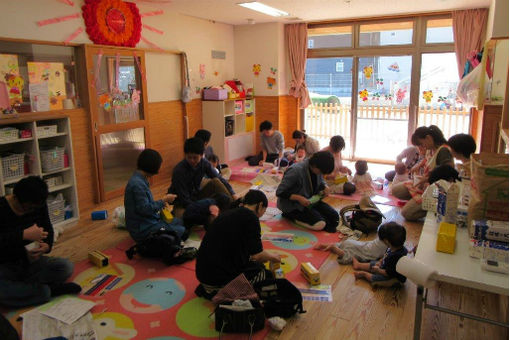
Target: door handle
[{"x": 95, "y": 126}]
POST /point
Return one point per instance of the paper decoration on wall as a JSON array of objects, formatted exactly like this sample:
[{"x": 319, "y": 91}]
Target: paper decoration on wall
[
  {"x": 153, "y": 29},
  {"x": 216, "y": 73},
  {"x": 112, "y": 22},
  {"x": 53, "y": 74},
  {"x": 273, "y": 70},
  {"x": 73, "y": 35},
  {"x": 105, "y": 101},
  {"x": 394, "y": 67},
  {"x": 201, "y": 71},
  {"x": 363, "y": 95},
  {"x": 256, "y": 69},
  {"x": 428, "y": 95},
  {"x": 388, "y": 97},
  {"x": 151, "y": 14},
  {"x": 197, "y": 90},
  {"x": 379, "y": 81},
  {"x": 9, "y": 72},
  {"x": 271, "y": 82},
  {"x": 151, "y": 44},
  {"x": 368, "y": 70},
  {"x": 400, "y": 95},
  {"x": 56, "y": 20},
  {"x": 376, "y": 96}
]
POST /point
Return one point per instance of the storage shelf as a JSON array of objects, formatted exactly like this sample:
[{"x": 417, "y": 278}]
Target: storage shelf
[
  {"x": 56, "y": 135},
  {"x": 19, "y": 140},
  {"x": 59, "y": 187},
  {"x": 15, "y": 180},
  {"x": 56, "y": 171}
]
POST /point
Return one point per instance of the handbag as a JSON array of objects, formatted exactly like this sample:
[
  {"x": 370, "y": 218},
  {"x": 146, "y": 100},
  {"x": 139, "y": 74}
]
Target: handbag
[
  {"x": 365, "y": 217},
  {"x": 279, "y": 297},
  {"x": 187, "y": 93},
  {"x": 233, "y": 319}
]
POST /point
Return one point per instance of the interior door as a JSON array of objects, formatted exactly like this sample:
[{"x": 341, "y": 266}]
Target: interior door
[{"x": 118, "y": 106}]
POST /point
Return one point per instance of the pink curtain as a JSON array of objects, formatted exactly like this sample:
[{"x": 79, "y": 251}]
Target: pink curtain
[
  {"x": 296, "y": 37},
  {"x": 468, "y": 33}
]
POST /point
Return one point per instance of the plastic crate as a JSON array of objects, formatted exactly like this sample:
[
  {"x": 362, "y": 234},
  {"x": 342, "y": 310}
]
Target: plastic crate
[
  {"x": 13, "y": 166},
  {"x": 54, "y": 181},
  {"x": 56, "y": 208},
  {"x": 52, "y": 159},
  {"x": 46, "y": 130},
  {"x": 9, "y": 134}
]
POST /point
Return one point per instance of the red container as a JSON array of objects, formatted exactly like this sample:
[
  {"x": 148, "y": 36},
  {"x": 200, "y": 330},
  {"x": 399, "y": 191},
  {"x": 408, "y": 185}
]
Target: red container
[
  {"x": 66, "y": 161},
  {"x": 27, "y": 133}
]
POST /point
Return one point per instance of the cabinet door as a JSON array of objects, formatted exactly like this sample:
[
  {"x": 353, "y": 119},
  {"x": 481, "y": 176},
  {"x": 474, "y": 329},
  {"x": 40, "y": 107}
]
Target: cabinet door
[{"x": 118, "y": 106}]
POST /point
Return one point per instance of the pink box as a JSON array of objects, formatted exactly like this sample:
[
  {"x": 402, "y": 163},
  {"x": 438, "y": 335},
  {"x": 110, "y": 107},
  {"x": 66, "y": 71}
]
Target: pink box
[
  {"x": 238, "y": 107},
  {"x": 215, "y": 94}
]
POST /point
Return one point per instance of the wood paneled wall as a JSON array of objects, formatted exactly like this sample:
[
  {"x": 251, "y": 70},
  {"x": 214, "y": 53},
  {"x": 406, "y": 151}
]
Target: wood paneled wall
[
  {"x": 194, "y": 109},
  {"x": 266, "y": 108},
  {"x": 289, "y": 117},
  {"x": 166, "y": 128}
]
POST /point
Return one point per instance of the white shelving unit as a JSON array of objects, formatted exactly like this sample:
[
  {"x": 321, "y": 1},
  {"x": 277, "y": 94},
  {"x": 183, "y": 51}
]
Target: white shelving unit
[
  {"x": 232, "y": 124},
  {"x": 32, "y": 147}
]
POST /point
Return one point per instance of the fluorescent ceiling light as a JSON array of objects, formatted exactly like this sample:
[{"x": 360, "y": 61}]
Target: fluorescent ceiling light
[{"x": 260, "y": 7}]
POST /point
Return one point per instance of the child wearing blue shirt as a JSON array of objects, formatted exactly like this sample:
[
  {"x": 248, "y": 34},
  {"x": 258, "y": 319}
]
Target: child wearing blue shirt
[{"x": 142, "y": 212}]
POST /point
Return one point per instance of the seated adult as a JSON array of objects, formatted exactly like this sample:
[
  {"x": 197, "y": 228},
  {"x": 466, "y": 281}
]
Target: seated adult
[
  {"x": 232, "y": 246},
  {"x": 302, "y": 181},
  {"x": 189, "y": 174},
  {"x": 28, "y": 277},
  {"x": 432, "y": 139},
  {"x": 205, "y": 135},
  {"x": 335, "y": 147},
  {"x": 410, "y": 156},
  {"x": 142, "y": 211},
  {"x": 311, "y": 145},
  {"x": 272, "y": 143}
]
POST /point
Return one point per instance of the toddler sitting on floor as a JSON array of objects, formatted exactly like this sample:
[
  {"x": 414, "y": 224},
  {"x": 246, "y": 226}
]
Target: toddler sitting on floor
[
  {"x": 362, "y": 178},
  {"x": 401, "y": 174}
]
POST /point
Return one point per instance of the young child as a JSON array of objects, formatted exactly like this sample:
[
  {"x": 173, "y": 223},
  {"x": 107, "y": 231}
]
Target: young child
[
  {"x": 362, "y": 178},
  {"x": 409, "y": 157},
  {"x": 401, "y": 174},
  {"x": 384, "y": 272},
  {"x": 299, "y": 156},
  {"x": 204, "y": 211},
  {"x": 214, "y": 160},
  {"x": 462, "y": 146}
]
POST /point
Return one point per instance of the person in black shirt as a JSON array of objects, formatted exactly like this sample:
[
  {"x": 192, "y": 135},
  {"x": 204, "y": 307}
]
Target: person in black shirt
[
  {"x": 27, "y": 277},
  {"x": 188, "y": 176},
  {"x": 385, "y": 270},
  {"x": 232, "y": 245}
]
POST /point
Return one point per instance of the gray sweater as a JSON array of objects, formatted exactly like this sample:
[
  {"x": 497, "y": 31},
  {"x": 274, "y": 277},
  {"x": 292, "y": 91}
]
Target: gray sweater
[
  {"x": 297, "y": 180},
  {"x": 274, "y": 143}
]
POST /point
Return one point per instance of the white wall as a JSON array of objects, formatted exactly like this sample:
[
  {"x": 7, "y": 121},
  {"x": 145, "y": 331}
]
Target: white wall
[
  {"x": 260, "y": 44},
  {"x": 497, "y": 22},
  {"x": 196, "y": 37}
]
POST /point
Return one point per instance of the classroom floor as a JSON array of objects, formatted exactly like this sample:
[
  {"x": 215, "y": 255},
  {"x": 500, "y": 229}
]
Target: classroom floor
[{"x": 357, "y": 311}]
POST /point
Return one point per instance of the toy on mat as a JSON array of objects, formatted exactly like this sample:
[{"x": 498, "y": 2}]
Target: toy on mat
[
  {"x": 311, "y": 274},
  {"x": 166, "y": 215},
  {"x": 99, "y": 215},
  {"x": 98, "y": 258}
]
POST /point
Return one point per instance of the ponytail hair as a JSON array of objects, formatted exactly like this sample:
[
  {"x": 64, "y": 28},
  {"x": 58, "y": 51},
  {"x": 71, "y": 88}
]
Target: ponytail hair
[
  {"x": 433, "y": 131},
  {"x": 254, "y": 197}
]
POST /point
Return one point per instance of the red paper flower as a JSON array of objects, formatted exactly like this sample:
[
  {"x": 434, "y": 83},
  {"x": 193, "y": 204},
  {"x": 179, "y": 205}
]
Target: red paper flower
[{"x": 112, "y": 22}]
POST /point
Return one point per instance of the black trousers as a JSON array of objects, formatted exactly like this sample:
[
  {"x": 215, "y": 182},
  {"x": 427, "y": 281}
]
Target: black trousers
[{"x": 320, "y": 211}]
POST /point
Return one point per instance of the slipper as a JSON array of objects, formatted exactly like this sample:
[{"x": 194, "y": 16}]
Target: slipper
[{"x": 187, "y": 254}]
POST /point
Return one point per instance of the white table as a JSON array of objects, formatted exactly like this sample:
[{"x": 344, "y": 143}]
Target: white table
[{"x": 457, "y": 268}]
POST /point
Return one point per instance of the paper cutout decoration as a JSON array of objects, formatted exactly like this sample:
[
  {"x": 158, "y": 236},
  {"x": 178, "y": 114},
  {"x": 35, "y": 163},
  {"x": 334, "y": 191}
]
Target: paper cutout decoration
[
  {"x": 39, "y": 98},
  {"x": 113, "y": 22},
  {"x": 105, "y": 101},
  {"x": 9, "y": 72},
  {"x": 376, "y": 96},
  {"x": 379, "y": 81},
  {"x": 368, "y": 70},
  {"x": 400, "y": 95},
  {"x": 271, "y": 82},
  {"x": 444, "y": 102},
  {"x": 428, "y": 95},
  {"x": 53, "y": 74},
  {"x": 216, "y": 73},
  {"x": 57, "y": 20},
  {"x": 201, "y": 71},
  {"x": 197, "y": 89},
  {"x": 273, "y": 70},
  {"x": 256, "y": 69},
  {"x": 388, "y": 97},
  {"x": 394, "y": 67},
  {"x": 135, "y": 98},
  {"x": 363, "y": 95}
]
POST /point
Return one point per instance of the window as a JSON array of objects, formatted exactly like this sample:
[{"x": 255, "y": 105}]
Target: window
[
  {"x": 439, "y": 31},
  {"x": 339, "y": 66},
  {"x": 328, "y": 36},
  {"x": 382, "y": 34}
]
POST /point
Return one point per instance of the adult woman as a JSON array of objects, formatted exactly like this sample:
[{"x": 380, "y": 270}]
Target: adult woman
[
  {"x": 232, "y": 245},
  {"x": 432, "y": 139},
  {"x": 335, "y": 147},
  {"x": 311, "y": 145},
  {"x": 302, "y": 181}
]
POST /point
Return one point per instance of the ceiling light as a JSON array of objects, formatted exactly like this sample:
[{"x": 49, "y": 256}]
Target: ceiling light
[{"x": 260, "y": 7}]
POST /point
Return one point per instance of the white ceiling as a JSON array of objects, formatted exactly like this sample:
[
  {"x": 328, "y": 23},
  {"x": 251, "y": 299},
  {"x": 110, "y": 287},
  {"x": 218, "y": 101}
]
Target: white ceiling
[{"x": 226, "y": 11}]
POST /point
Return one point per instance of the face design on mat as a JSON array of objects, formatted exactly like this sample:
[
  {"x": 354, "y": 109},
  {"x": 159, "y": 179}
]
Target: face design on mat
[
  {"x": 288, "y": 261},
  {"x": 301, "y": 240},
  {"x": 113, "y": 326},
  {"x": 152, "y": 295}
]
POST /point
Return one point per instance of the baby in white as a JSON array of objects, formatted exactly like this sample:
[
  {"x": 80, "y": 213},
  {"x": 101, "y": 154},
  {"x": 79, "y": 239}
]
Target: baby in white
[{"x": 362, "y": 178}]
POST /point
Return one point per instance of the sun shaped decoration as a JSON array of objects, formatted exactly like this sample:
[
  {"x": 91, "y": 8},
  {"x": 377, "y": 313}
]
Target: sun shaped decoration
[{"x": 112, "y": 22}]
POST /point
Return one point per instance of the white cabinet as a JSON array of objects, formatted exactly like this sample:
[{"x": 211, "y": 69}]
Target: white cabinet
[
  {"x": 232, "y": 125},
  {"x": 40, "y": 145}
]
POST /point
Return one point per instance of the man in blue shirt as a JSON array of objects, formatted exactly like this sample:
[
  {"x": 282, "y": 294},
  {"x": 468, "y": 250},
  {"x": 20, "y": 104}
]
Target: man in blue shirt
[{"x": 188, "y": 178}]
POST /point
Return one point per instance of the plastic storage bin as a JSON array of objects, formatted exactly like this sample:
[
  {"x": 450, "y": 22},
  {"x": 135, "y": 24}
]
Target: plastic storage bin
[
  {"x": 52, "y": 159},
  {"x": 9, "y": 134},
  {"x": 56, "y": 208},
  {"x": 46, "y": 130},
  {"x": 13, "y": 166}
]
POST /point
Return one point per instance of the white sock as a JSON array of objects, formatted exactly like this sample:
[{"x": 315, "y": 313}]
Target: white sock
[{"x": 317, "y": 226}]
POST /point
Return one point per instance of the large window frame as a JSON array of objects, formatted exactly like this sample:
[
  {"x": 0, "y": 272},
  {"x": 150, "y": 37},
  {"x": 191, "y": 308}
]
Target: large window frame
[{"x": 415, "y": 50}]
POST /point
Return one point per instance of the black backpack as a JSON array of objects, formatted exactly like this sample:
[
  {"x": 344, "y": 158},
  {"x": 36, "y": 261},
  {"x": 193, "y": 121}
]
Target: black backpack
[
  {"x": 279, "y": 298},
  {"x": 365, "y": 217},
  {"x": 162, "y": 244}
]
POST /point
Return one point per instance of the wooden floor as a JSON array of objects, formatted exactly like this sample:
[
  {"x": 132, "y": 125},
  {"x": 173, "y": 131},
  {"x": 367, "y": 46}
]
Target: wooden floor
[{"x": 357, "y": 311}]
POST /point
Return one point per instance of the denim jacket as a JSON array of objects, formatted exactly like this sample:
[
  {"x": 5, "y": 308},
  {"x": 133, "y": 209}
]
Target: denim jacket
[{"x": 142, "y": 212}]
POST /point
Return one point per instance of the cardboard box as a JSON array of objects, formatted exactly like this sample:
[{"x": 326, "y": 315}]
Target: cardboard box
[
  {"x": 310, "y": 273},
  {"x": 446, "y": 236},
  {"x": 215, "y": 94}
]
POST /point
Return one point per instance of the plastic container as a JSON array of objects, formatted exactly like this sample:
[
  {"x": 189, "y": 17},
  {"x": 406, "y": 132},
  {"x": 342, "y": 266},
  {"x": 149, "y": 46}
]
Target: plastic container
[
  {"x": 13, "y": 166},
  {"x": 52, "y": 159},
  {"x": 56, "y": 208}
]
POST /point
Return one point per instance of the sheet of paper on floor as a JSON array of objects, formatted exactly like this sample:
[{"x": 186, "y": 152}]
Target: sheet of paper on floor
[
  {"x": 270, "y": 213},
  {"x": 317, "y": 293},
  {"x": 37, "y": 326},
  {"x": 68, "y": 310}
]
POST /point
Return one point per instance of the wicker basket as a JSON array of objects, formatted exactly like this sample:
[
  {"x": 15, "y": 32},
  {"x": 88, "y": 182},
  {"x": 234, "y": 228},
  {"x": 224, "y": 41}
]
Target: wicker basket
[
  {"x": 52, "y": 159},
  {"x": 9, "y": 134},
  {"x": 56, "y": 208},
  {"x": 54, "y": 181},
  {"x": 13, "y": 166},
  {"x": 46, "y": 130}
]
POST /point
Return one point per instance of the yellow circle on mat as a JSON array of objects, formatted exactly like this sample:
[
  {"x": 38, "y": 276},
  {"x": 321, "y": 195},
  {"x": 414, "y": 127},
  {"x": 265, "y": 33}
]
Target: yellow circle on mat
[
  {"x": 119, "y": 269},
  {"x": 289, "y": 261}
]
